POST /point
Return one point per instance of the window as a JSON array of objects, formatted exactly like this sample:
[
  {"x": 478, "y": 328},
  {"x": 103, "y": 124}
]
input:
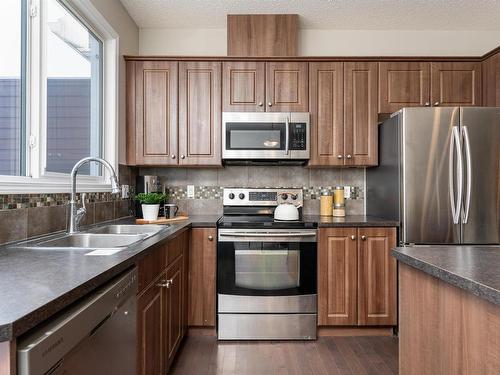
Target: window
[
  {"x": 58, "y": 88},
  {"x": 74, "y": 70},
  {"x": 12, "y": 79}
]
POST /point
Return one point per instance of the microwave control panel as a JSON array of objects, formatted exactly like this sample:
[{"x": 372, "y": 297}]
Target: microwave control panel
[{"x": 298, "y": 136}]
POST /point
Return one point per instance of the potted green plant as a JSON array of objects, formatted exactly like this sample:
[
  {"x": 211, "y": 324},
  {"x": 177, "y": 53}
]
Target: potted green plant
[{"x": 150, "y": 203}]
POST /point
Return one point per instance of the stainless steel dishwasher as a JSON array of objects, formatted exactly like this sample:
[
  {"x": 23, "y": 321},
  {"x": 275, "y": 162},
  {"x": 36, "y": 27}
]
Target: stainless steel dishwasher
[{"x": 96, "y": 336}]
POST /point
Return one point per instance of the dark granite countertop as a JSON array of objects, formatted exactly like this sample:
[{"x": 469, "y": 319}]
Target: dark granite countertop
[
  {"x": 35, "y": 284},
  {"x": 475, "y": 269},
  {"x": 350, "y": 221}
]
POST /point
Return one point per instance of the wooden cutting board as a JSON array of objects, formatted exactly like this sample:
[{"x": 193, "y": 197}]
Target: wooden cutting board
[{"x": 161, "y": 220}]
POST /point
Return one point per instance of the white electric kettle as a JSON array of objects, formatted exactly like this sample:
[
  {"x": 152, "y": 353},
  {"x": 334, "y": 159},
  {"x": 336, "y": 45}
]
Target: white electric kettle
[{"x": 286, "y": 212}]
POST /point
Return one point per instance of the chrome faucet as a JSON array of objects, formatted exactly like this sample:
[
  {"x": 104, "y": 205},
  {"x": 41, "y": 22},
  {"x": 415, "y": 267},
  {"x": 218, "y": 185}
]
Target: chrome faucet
[{"x": 76, "y": 215}]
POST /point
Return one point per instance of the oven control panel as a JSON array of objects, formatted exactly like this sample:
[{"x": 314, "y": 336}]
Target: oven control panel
[
  {"x": 298, "y": 136},
  {"x": 262, "y": 196}
]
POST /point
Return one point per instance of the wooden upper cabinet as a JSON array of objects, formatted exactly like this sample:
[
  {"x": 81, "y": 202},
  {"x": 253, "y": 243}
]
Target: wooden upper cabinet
[
  {"x": 491, "y": 81},
  {"x": 287, "y": 87},
  {"x": 202, "y": 266},
  {"x": 326, "y": 103},
  {"x": 243, "y": 86},
  {"x": 403, "y": 84},
  {"x": 337, "y": 273},
  {"x": 376, "y": 277},
  {"x": 456, "y": 84},
  {"x": 360, "y": 113},
  {"x": 152, "y": 112},
  {"x": 200, "y": 113}
]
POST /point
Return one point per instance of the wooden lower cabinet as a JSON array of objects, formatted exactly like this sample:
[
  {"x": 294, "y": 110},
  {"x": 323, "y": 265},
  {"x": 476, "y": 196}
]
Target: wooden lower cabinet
[
  {"x": 202, "y": 263},
  {"x": 151, "y": 330},
  {"x": 161, "y": 307},
  {"x": 356, "y": 277}
]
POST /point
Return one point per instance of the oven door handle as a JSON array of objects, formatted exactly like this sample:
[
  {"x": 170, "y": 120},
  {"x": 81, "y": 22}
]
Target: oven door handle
[{"x": 284, "y": 234}]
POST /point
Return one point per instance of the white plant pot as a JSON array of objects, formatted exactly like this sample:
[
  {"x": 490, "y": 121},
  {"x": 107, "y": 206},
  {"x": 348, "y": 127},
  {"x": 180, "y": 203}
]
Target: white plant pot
[{"x": 150, "y": 211}]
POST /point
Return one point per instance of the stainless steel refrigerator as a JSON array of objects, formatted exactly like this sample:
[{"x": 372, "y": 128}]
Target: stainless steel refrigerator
[{"x": 438, "y": 175}]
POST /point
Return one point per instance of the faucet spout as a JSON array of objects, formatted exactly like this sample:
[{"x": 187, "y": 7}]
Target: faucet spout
[{"x": 75, "y": 215}]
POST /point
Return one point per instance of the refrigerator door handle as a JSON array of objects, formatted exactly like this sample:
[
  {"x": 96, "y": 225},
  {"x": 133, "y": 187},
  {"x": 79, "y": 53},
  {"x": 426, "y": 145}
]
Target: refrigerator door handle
[
  {"x": 468, "y": 161},
  {"x": 456, "y": 204}
]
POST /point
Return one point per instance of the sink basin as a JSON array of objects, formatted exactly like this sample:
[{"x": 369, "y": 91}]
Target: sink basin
[
  {"x": 129, "y": 229},
  {"x": 87, "y": 241}
]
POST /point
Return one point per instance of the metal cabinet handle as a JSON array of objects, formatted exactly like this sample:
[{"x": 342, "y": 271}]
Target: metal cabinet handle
[
  {"x": 363, "y": 238},
  {"x": 261, "y": 104},
  {"x": 210, "y": 238},
  {"x": 173, "y": 156},
  {"x": 353, "y": 237},
  {"x": 165, "y": 283},
  {"x": 349, "y": 156},
  {"x": 183, "y": 157},
  {"x": 339, "y": 156},
  {"x": 427, "y": 104},
  {"x": 270, "y": 104},
  {"x": 436, "y": 104}
]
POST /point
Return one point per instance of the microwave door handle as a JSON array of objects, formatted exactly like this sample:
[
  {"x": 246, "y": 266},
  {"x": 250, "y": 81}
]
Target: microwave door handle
[{"x": 287, "y": 134}]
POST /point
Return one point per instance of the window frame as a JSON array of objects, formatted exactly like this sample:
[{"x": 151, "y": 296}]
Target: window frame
[{"x": 36, "y": 179}]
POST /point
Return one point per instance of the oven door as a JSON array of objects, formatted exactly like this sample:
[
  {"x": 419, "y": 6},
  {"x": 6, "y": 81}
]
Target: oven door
[
  {"x": 253, "y": 265},
  {"x": 247, "y": 135}
]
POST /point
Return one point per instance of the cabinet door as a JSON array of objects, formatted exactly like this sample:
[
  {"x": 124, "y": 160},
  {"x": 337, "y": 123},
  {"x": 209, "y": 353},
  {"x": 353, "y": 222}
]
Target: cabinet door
[
  {"x": 361, "y": 118},
  {"x": 151, "y": 330},
  {"x": 376, "y": 276},
  {"x": 456, "y": 84},
  {"x": 337, "y": 272},
  {"x": 286, "y": 87},
  {"x": 403, "y": 84},
  {"x": 326, "y": 103},
  {"x": 243, "y": 86},
  {"x": 202, "y": 263},
  {"x": 155, "y": 103},
  {"x": 200, "y": 113},
  {"x": 173, "y": 308}
]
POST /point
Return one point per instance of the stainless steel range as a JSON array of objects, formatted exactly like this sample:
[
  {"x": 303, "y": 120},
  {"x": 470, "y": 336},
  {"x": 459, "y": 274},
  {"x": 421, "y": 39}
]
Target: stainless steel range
[{"x": 266, "y": 268}]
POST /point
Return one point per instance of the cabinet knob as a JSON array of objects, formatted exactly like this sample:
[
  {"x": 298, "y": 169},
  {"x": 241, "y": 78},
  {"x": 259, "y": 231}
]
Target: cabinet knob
[
  {"x": 261, "y": 104},
  {"x": 183, "y": 157},
  {"x": 210, "y": 238},
  {"x": 270, "y": 104},
  {"x": 173, "y": 156},
  {"x": 349, "y": 156},
  {"x": 436, "y": 104},
  {"x": 353, "y": 237},
  {"x": 165, "y": 283},
  {"x": 363, "y": 238},
  {"x": 427, "y": 104},
  {"x": 339, "y": 156}
]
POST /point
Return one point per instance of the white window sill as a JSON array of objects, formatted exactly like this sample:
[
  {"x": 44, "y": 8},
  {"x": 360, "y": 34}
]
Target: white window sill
[{"x": 27, "y": 185}]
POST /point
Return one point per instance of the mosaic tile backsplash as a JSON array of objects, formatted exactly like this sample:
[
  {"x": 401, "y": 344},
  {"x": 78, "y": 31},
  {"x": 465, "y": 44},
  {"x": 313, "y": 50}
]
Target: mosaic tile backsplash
[{"x": 208, "y": 184}]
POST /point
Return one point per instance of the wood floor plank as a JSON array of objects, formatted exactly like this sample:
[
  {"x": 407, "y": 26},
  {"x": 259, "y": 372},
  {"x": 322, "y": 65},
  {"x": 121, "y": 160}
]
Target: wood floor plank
[{"x": 326, "y": 356}]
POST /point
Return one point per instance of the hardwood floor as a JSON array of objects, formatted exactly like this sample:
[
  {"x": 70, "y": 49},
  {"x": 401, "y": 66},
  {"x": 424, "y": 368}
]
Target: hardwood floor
[{"x": 327, "y": 355}]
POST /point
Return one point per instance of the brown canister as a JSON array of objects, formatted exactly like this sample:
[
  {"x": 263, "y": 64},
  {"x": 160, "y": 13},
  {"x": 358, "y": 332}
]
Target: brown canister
[{"x": 326, "y": 204}]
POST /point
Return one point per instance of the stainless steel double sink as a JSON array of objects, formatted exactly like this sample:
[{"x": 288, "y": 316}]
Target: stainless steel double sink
[{"x": 107, "y": 237}]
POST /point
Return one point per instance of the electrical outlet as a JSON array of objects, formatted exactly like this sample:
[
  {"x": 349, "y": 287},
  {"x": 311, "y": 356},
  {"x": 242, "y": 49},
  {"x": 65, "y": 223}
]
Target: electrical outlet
[
  {"x": 125, "y": 191},
  {"x": 190, "y": 191},
  {"x": 347, "y": 192}
]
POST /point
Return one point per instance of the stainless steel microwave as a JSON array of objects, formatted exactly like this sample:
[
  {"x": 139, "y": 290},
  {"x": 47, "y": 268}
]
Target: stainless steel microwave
[{"x": 265, "y": 135}]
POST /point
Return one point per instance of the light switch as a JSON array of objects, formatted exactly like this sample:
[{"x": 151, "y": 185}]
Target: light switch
[
  {"x": 190, "y": 191},
  {"x": 125, "y": 191},
  {"x": 347, "y": 192}
]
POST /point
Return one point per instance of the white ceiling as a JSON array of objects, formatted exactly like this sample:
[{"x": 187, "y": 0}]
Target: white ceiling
[{"x": 324, "y": 14}]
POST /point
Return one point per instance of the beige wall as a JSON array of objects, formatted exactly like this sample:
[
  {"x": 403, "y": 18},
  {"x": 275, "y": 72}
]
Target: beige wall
[
  {"x": 128, "y": 42},
  {"x": 330, "y": 42}
]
